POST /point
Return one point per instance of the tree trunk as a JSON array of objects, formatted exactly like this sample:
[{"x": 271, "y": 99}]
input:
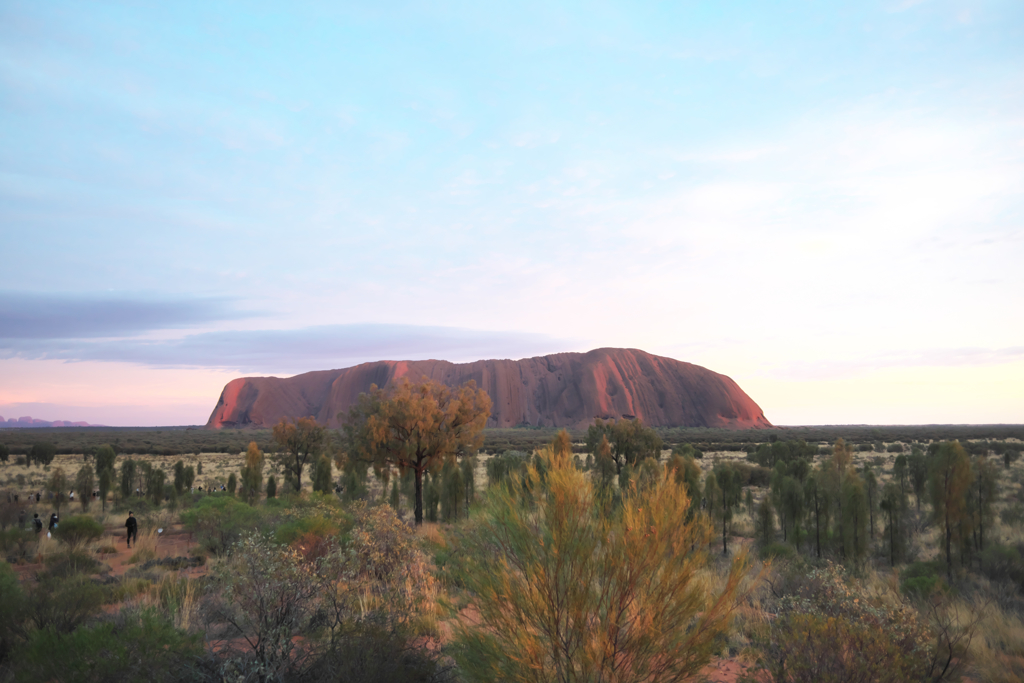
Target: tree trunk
[
  {"x": 871, "y": 514},
  {"x": 892, "y": 542},
  {"x": 817, "y": 525},
  {"x": 949, "y": 550},
  {"x": 419, "y": 495}
]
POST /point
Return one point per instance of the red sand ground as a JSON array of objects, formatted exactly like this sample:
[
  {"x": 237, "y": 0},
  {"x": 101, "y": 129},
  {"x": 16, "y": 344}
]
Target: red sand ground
[{"x": 173, "y": 542}]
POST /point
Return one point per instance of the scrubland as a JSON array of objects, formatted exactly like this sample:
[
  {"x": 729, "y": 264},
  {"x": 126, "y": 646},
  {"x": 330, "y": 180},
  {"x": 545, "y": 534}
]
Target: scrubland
[{"x": 526, "y": 547}]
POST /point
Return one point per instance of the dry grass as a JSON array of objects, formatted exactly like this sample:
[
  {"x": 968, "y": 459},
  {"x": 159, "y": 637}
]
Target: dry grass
[
  {"x": 145, "y": 547},
  {"x": 998, "y": 648}
]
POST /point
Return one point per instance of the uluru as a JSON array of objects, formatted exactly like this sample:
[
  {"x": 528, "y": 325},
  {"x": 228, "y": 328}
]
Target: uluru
[{"x": 559, "y": 390}]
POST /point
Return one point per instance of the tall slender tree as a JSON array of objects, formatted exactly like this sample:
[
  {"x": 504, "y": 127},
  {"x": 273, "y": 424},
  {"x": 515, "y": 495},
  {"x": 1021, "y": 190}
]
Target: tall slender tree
[
  {"x": 85, "y": 482},
  {"x": 893, "y": 505},
  {"x": 983, "y": 498},
  {"x": 105, "y": 458},
  {"x": 855, "y": 518},
  {"x": 252, "y": 474},
  {"x": 950, "y": 485},
  {"x": 817, "y": 501}
]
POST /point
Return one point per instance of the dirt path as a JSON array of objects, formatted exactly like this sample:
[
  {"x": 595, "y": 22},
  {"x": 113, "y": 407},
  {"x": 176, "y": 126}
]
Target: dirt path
[{"x": 173, "y": 542}]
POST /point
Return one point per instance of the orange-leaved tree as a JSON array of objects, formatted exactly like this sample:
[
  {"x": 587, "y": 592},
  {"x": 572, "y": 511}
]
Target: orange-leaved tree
[
  {"x": 302, "y": 440},
  {"x": 416, "y": 426},
  {"x": 569, "y": 588}
]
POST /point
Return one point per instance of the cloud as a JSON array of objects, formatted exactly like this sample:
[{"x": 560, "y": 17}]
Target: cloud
[
  {"x": 46, "y": 316},
  {"x": 291, "y": 351}
]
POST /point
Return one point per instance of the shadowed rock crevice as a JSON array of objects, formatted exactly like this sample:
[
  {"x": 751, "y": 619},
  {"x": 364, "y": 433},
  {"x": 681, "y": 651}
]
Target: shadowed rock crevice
[{"x": 560, "y": 390}]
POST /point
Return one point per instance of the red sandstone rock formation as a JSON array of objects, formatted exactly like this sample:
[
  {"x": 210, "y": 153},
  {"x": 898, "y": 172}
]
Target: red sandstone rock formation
[{"x": 561, "y": 390}]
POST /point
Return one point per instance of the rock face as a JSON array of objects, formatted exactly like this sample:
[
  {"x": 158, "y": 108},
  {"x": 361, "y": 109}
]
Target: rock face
[{"x": 560, "y": 390}]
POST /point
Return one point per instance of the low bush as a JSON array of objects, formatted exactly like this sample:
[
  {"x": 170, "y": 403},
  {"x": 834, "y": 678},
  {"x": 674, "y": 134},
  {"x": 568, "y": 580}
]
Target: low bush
[
  {"x": 15, "y": 543},
  {"x": 373, "y": 651},
  {"x": 78, "y": 530},
  {"x": 140, "y": 506},
  {"x": 777, "y": 551},
  {"x": 828, "y": 628},
  {"x": 62, "y": 604},
  {"x": 1002, "y": 563},
  {"x": 219, "y": 521},
  {"x": 70, "y": 562},
  {"x": 921, "y": 579},
  {"x": 13, "y": 610},
  {"x": 133, "y": 647}
]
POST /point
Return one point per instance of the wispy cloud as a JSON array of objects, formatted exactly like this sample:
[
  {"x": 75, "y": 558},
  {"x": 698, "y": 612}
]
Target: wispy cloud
[
  {"x": 47, "y": 316},
  {"x": 290, "y": 351}
]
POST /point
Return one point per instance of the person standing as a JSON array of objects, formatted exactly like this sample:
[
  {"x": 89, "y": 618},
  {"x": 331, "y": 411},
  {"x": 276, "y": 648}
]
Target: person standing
[
  {"x": 53, "y": 522},
  {"x": 37, "y": 523},
  {"x": 133, "y": 529}
]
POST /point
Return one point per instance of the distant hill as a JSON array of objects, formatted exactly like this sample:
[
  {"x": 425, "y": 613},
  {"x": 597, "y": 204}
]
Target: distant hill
[
  {"x": 29, "y": 422},
  {"x": 560, "y": 390}
]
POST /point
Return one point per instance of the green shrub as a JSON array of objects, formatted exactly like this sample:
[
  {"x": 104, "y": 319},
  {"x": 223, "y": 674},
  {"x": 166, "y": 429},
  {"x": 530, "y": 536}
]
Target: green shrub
[
  {"x": 13, "y": 610},
  {"x": 70, "y": 562},
  {"x": 293, "y": 530},
  {"x": 140, "y": 506},
  {"x": 828, "y": 628},
  {"x": 219, "y": 521},
  {"x": 777, "y": 551},
  {"x": 78, "y": 530},
  {"x": 135, "y": 647},
  {"x": 63, "y": 604},
  {"x": 14, "y": 543},
  {"x": 921, "y": 579},
  {"x": 373, "y": 651},
  {"x": 1002, "y": 563}
]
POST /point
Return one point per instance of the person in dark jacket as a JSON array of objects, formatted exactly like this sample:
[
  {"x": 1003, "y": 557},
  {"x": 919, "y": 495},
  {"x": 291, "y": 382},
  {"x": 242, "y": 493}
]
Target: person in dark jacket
[
  {"x": 133, "y": 528},
  {"x": 37, "y": 523},
  {"x": 53, "y": 521}
]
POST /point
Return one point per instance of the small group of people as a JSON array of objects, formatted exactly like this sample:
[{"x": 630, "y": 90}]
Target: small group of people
[{"x": 37, "y": 523}]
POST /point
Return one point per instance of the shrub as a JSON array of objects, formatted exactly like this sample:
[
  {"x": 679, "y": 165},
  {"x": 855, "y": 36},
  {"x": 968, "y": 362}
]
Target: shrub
[
  {"x": 268, "y": 595},
  {"x": 1002, "y": 563},
  {"x": 219, "y": 521},
  {"x": 313, "y": 537},
  {"x": 78, "y": 530},
  {"x": 14, "y": 543},
  {"x": 71, "y": 562},
  {"x": 375, "y": 651},
  {"x": 13, "y": 610},
  {"x": 551, "y": 580},
  {"x": 135, "y": 647},
  {"x": 62, "y": 604},
  {"x": 777, "y": 551},
  {"x": 921, "y": 579},
  {"x": 826, "y": 629}
]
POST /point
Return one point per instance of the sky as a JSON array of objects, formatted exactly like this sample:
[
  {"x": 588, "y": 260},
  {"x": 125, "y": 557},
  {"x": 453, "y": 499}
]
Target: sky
[{"x": 821, "y": 200}]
